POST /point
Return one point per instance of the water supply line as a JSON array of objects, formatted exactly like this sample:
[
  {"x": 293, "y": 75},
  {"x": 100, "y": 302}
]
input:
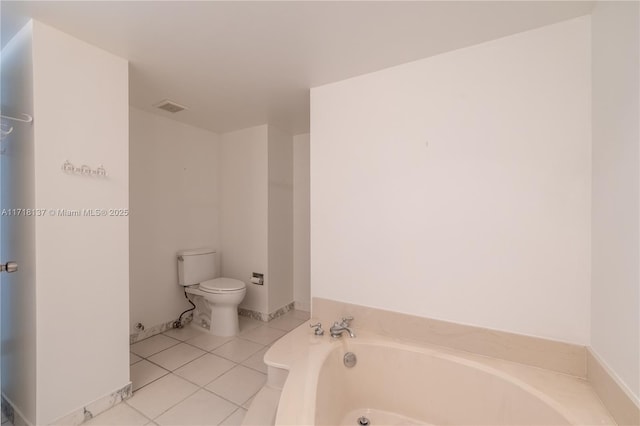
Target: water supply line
[{"x": 178, "y": 323}]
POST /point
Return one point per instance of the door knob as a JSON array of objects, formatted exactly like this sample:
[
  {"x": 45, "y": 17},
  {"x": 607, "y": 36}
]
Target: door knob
[{"x": 9, "y": 267}]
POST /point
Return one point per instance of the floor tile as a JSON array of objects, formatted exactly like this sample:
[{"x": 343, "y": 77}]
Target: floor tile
[
  {"x": 235, "y": 419},
  {"x": 208, "y": 342},
  {"x": 238, "y": 350},
  {"x": 153, "y": 345},
  {"x": 176, "y": 356},
  {"x": 256, "y": 361},
  {"x": 133, "y": 358},
  {"x": 287, "y": 322},
  {"x": 143, "y": 372},
  {"x": 119, "y": 415},
  {"x": 201, "y": 408},
  {"x": 248, "y": 402},
  {"x": 184, "y": 333},
  {"x": 263, "y": 335},
  {"x": 204, "y": 369},
  {"x": 247, "y": 323},
  {"x": 238, "y": 384},
  {"x": 157, "y": 397}
]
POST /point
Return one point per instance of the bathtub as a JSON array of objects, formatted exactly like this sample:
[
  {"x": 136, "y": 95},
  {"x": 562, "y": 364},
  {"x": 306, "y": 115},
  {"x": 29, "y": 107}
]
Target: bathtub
[{"x": 395, "y": 383}]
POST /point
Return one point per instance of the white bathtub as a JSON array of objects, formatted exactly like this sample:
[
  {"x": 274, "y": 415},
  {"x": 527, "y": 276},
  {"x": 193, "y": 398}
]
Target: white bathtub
[{"x": 395, "y": 383}]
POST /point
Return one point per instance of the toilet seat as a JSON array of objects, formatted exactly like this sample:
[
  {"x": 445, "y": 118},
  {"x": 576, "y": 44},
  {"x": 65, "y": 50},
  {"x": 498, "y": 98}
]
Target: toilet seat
[{"x": 222, "y": 285}]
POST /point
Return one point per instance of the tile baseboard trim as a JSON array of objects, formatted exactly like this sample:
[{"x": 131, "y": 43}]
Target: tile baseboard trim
[
  {"x": 552, "y": 355},
  {"x": 75, "y": 418},
  {"x": 13, "y": 414},
  {"x": 156, "y": 329},
  {"x": 256, "y": 315},
  {"x": 615, "y": 396},
  {"x": 264, "y": 317},
  {"x": 96, "y": 407},
  {"x": 281, "y": 311}
]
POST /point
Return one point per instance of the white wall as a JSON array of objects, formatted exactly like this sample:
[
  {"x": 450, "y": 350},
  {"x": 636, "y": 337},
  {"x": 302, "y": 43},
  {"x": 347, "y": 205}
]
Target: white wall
[
  {"x": 301, "y": 277},
  {"x": 280, "y": 232},
  {"x": 244, "y": 210},
  {"x": 615, "y": 291},
  {"x": 174, "y": 205},
  {"x": 82, "y": 263},
  {"x": 458, "y": 187},
  {"x": 18, "y": 232}
]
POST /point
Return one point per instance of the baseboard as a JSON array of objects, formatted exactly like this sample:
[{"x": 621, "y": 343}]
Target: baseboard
[
  {"x": 250, "y": 313},
  {"x": 75, "y": 418},
  {"x": 262, "y": 316},
  {"x": 281, "y": 311},
  {"x": 256, "y": 315},
  {"x": 156, "y": 329},
  {"x": 13, "y": 414},
  {"x": 618, "y": 399},
  {"x": 89, "y": 411}
]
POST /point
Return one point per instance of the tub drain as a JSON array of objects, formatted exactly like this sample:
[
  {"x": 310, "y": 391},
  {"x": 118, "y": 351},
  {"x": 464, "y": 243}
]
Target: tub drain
[{"x": 363, "y": 421}]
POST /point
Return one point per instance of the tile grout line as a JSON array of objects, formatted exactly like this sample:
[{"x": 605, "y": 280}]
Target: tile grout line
[
  {"x": 153, "y": 381},
  {"x": 226, "y": 418},
  {"x": 194, "y": 392},
  {"x": 203, "y": 387},
  {"x": 206, "y": 352},
  {"x": 211, "y": 352},
  {"x": 202, "y": 349},
  {"x": 225, "y": 399},
  {"x": 183, "y": 399},
  {"x": 181, "y": 365},
  {"x": 168, "y": 347},
  {"x": 137, "y": 411},
  {"x": 212, "y": 380}
]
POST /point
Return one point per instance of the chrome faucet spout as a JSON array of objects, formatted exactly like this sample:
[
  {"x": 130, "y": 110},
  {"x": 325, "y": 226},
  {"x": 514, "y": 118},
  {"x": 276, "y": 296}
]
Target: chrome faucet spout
[{"x": 337, "y": 328}]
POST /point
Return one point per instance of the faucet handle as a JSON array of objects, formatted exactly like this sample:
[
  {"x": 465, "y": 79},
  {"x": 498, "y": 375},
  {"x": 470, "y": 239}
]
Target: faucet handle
[
  {"x": 346, "y": 321},
  {"x": 318, "y": 331}
]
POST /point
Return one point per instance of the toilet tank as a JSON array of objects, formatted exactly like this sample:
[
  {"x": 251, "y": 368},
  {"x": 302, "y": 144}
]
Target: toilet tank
[{"x": 196, "y": 266}]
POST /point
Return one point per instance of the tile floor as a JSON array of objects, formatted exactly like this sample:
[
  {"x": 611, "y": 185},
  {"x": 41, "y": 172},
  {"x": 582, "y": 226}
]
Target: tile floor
[{"x": 188, "y": 377}]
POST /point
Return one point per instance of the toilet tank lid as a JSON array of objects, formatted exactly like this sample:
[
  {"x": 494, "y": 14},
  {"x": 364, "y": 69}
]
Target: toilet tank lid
[{"x": 194, "y": 252}]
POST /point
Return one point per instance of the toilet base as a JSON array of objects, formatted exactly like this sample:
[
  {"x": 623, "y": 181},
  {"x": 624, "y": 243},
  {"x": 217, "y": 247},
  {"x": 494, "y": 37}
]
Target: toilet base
[
  {"x": 224, "y": 320},
  {"x": 218, "y": 317}
]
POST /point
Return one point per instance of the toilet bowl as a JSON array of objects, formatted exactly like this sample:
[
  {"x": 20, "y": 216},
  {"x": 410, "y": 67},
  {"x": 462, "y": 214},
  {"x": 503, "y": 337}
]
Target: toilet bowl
[
  {"x": 222, "y": 296},
  {"x": 198, "y": 273}
]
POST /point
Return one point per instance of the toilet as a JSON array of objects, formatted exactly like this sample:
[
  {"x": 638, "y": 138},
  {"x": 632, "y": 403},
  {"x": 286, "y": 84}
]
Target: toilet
[{"x": 198, "y": 273}]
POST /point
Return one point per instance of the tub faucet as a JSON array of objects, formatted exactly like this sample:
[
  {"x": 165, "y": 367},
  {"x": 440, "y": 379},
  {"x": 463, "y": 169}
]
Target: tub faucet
[{"x": 338, "y": 328}]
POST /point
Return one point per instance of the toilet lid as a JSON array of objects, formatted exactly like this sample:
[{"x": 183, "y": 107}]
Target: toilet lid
[{"x": 220, "y": 285}]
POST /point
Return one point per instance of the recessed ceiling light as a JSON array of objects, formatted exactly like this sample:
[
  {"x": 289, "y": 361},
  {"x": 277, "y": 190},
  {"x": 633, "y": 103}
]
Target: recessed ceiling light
[{"x": 170, "y": 106}]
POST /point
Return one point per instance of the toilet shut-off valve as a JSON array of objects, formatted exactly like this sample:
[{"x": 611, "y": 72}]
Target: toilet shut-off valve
[{"x": 317, "y": 329}]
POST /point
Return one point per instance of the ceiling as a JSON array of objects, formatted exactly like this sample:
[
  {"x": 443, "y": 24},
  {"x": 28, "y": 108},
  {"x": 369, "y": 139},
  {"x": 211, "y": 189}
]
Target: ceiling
[{"x": 238, "y": 64}]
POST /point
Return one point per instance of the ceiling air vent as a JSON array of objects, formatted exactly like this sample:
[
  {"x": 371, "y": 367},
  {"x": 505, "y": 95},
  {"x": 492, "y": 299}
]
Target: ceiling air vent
[{"x": 170, "y": 106}]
